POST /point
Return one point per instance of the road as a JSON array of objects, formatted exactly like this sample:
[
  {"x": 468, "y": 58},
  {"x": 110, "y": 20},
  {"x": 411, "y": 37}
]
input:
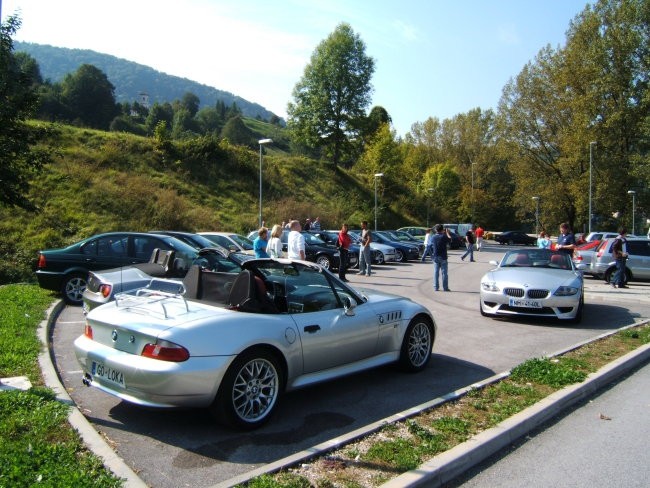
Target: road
[{"x": 172, "y": 449}]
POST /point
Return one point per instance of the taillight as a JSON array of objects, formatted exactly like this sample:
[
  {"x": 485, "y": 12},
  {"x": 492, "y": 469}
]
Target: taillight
[
  {"x": 88, "y": 331},
  {"x": 166, "y": 351},
  {"x": 41, "y": 261},
  {"x": 105, "y": 290},
  {"x": 577, "y": 257}
]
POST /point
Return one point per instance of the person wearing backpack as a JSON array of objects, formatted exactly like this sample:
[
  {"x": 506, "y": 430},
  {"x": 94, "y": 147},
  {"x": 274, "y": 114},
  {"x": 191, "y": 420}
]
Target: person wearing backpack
[{"x": 619, "y": 253}]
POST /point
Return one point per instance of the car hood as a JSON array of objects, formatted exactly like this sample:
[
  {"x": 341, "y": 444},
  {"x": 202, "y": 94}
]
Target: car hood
[{"x": 533, "y": 277}]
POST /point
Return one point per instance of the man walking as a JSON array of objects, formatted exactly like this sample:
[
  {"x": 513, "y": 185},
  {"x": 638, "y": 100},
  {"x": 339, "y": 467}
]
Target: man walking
[
  {"x": 479, "y": 237},
  {"x": 439, "y": 244},
  {"x": 619, "y": 253},
  {"x": 469, "y": 244},
  {"x": 427, "y": 245}
]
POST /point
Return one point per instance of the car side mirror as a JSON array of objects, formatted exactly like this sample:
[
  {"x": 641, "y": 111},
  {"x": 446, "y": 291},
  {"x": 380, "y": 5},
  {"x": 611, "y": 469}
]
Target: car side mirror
[{"x": 348, "y": 306}]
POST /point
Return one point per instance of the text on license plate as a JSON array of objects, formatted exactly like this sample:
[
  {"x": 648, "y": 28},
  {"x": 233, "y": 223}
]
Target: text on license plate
[
  {"x": 525, "y": 303},
  {"x": 107, "y": 373}
]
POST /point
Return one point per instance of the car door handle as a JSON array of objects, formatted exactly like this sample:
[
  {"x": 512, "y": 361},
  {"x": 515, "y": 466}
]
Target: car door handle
[{"x": 312, "y": 328}]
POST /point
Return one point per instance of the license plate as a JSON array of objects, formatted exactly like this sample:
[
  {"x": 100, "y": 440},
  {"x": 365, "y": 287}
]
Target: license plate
[
  {"x": 524, "y": 303},
  {"x": 99, "y": 370}
]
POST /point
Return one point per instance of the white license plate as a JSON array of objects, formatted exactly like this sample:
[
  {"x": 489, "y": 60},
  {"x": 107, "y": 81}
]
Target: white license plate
[
  {"x": 99, "y": 370},
  {"x": 525, "y": 303}
]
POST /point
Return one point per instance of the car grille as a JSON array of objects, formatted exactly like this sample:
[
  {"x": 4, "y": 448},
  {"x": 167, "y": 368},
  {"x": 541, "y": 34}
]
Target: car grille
[{"x": 520, "y": 293}]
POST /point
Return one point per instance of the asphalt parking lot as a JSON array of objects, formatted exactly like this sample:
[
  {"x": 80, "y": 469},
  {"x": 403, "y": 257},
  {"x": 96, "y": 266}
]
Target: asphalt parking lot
[{"x": 170, "y": 449}]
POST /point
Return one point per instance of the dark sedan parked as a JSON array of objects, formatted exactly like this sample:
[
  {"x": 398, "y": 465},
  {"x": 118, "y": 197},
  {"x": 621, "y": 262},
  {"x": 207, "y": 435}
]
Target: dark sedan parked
[
  {"x": 403, "y": 251},
  {"x": 316, "y": 250},
  {"x": 330, "y": 237},
  {"x": 512, "y": 237},
  {"x": 66, "y": 270}
]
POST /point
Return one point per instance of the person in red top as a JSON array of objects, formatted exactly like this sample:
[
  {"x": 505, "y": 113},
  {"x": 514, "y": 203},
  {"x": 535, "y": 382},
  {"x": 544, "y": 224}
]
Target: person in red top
[
  {"x": 343, "y": 244},
  {"x": 479, "y": 237}
]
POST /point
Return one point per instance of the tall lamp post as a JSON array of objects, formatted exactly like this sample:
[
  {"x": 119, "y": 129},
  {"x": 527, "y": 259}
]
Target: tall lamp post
[
  {"x": 536, "y": 215},
  {"x": 377, "y": 175},
  {"x": 429, "y": 191},
  {"x": 633, "y": 193},
  {"x": 591, "y": 160},
  {"x": 472, "y": 196},
  {"x": 261, "y": 142}
]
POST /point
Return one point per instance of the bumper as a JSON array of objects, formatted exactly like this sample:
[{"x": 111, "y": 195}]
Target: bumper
[
  {"x": 151, "y": 382},
  {"x": 554, "y": 307}
]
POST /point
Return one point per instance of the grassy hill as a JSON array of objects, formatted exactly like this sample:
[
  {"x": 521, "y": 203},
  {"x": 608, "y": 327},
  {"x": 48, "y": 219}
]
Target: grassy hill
[{"x": 105, "y": 181}]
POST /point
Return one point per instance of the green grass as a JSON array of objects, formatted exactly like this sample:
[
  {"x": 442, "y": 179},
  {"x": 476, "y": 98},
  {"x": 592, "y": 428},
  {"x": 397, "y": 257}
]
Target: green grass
[{"x": 39, "y": 447}]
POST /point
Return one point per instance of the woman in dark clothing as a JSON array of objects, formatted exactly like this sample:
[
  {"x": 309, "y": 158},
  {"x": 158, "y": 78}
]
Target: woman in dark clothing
[{"x": 343, "y": 244}]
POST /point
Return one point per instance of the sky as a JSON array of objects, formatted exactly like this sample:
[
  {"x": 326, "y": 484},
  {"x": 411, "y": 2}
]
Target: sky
[{"x": 433, "y": 58}]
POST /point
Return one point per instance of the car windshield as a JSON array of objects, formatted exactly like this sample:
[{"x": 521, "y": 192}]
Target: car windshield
[
  {"x": 402, "y": 236},
  {"x": 312, "y": 239},
  {"x": 243, "y": 241},
  {"x": 536, "y": 258}
]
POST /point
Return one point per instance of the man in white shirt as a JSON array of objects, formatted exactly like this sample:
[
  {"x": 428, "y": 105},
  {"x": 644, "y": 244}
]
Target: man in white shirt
[{"x": 295, "y": 242}]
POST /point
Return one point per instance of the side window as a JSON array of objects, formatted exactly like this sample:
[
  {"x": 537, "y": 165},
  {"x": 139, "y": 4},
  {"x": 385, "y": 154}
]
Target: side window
[
  {"x": 144, "y": 246},
  {"x": 90, "y": 248},
  {"x": 113, "y": 246},
  {"x": 638, "y": 248}
]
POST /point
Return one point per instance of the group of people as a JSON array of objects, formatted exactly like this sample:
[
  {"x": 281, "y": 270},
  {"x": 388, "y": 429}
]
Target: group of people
[{"x": 265, "y": 247}]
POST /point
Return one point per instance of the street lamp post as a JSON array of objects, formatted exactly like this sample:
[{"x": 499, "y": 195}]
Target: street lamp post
[
  {"x": 429, "y": 191},
  {"x": 591, "y": 160},
  {"x": 261, "y": 142},
  {"x": 472, "y": 195},
  {"x": 633, "y": 193},
  {"x": 536, "y": 215},
  {"x": 377, "y": 175}
]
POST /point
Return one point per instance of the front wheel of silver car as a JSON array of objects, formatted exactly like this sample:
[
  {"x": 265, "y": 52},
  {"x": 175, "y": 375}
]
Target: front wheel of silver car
[
  {"x": 417, "y": 344},
  {"x": 250, "y": 390},
  {"x": 73, "y": 288},
  {"x": 380, "y": 258}
]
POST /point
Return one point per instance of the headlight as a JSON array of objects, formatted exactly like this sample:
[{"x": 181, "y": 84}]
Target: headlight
[
  {"x": 489, "y": 286},
  {"x": 565, "y": 291}
]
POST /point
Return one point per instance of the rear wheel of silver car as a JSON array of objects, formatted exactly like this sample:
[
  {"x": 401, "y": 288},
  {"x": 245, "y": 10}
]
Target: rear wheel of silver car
[
  {"x": 73, "y": 288},
  {"x": 250, "y": 390},
  {"x": 380, "y": 258},
  {"x": 417, "y": 344},
  {"x": 324, "y": 261},
  {"x": 399, "y": 256}
]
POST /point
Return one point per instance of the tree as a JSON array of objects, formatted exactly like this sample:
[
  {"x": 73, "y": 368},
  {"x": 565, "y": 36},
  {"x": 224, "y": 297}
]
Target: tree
[
  {"x": 159, "y": 113},
  {"x": 90, "y": 97},
  {"x": 330, "y": 100},
  {"x": 236, "y": 132},
  {"x": 19, "y": 161}
]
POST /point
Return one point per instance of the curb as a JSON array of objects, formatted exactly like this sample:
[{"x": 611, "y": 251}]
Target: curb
[
  {"x": 91, "y": 438},
  {"x": 449, "y": 465}
]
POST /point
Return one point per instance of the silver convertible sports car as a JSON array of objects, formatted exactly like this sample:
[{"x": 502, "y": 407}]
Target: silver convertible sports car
[
  {"x": 536, "y": 283},
  {"x": 235, "y": 342}
]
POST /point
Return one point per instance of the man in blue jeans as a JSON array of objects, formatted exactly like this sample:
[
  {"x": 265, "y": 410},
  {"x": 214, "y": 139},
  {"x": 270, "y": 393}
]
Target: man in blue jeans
[{"x": 439, "y": 244}]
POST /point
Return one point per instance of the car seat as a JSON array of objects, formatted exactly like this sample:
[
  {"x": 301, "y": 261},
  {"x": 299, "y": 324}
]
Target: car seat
[
  {"x": 248, "y": 294},
  {"x": 558, "y": 260},
  {"x": 521, "y": 260}
]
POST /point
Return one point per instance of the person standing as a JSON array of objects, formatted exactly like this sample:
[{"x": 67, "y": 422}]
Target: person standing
[
  {"x": 566, "y": 241},
  {"x": 439, "y": 243},
  {"x": 479, "y": 237},
  {"x": 307, "y": 225},
  {"x": 619, "y": 253},
  {"x": 427, "y": 244},
  {"x": 274, "y": 247},
  {"x": 469, "y": 244},
  {"x": 295, "y": 242},
  {"x": 364, "y": 252},
  {"x": 343, "y": 245},
  {"x": 260, "y": 243},
  {"x": 315, "y": 225}
]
